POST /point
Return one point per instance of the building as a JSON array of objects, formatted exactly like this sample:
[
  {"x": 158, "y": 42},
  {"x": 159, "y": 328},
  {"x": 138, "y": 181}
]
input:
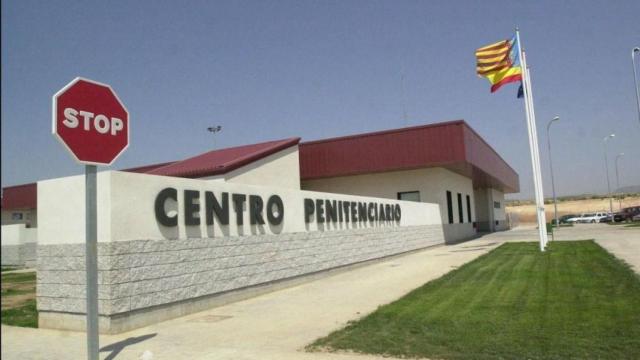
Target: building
[
  {"x": 183, "y": 236},
  {"x": 444, "y": 163}
]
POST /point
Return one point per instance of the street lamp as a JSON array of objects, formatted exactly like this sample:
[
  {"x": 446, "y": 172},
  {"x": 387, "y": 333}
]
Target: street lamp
[
  {"x": 618, "y": 181},
  {"x": 634, "y": 52},
  {"x": 553, "y": 186},
  {"x": 606, "y": 166},
  {"x": 214, "y": 129}
]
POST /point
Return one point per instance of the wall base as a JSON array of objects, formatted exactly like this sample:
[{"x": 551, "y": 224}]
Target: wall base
[
  {"x": 119, "y": 323},
  {"x": 23, "y": 255}
]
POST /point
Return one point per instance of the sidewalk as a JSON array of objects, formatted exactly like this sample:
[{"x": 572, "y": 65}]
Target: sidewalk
[{"x": 278, "y": 325}]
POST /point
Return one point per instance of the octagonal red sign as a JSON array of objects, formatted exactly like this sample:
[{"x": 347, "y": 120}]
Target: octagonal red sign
[{"x": 91, "y": 121}]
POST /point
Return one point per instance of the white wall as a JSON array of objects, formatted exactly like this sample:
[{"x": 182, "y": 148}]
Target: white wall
[
  {"x": 18, "y": 234},
  {"x": 485, "y": 208},
  {"x": 126, "y": 209},
  {"x": 498, "y": 214},
  {"x": 432, "y": 183},
  {"x": 281, "y": 169}
]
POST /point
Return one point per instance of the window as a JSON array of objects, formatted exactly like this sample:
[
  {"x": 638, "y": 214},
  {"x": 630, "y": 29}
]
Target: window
[
  {"x": 469, "y": 208},
  {"x": 496, "y": 204},
  {"x": 16, "y": 216},
  {"x": 409, "y": 196},
  {"x": 450, "y": 207},
  {"x": 460, "y": 212}
]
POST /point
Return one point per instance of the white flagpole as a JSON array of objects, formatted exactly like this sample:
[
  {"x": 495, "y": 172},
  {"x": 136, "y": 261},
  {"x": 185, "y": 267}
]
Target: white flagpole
[
  {"x": 533, "y": 147},
  {"x": 543, "y": 215}
]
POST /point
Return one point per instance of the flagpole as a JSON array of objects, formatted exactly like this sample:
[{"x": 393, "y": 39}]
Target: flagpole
[
  {"x": 532, "y": 146},
  {"x": 534, "y": 129}
]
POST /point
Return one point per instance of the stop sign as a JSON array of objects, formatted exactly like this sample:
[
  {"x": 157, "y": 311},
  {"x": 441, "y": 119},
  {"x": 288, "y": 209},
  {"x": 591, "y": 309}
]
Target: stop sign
[{"x": 90, "y": 120}]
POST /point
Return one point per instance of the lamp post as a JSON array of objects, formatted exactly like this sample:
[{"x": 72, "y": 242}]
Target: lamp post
[
  {"x": 606, "y": 166},
  {"x": 634, "y": 52},
  {"x": 618, "y": 181},
  {"x": 553, "y": 186},
  {"x": 214, "y": 129}
]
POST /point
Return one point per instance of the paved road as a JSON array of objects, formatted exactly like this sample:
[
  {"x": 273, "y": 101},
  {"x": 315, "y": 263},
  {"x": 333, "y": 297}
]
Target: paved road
[{"x": 279, "y": 324}]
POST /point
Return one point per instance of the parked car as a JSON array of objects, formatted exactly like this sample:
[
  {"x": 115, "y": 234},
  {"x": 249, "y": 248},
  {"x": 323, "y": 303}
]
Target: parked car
[
  {"x": 594, "y": 218},
  {"x": 631, "y": 212},
  {"x": 617, "y": 217},
  {"x": 588, "y": 218},
  {"x": 563, "y": 219},
  {"x": 575, "y": 219}
]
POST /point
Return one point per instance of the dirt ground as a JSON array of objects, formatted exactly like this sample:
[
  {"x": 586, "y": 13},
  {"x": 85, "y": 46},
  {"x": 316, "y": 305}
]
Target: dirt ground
[{"x": 526, "y": 213}]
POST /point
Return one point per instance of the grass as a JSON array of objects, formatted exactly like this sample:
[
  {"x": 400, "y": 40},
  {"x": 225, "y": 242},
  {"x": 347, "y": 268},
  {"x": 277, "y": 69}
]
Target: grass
[
  {"x": 575, "y": 301},
  {"x": 25, "y": 315},
  {"x": 18, "y": 299},
  {"x": 8, "y": 268},
  {"x": 626, "y": 224}
]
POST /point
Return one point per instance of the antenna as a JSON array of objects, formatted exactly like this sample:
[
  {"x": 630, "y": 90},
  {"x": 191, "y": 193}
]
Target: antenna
[{"x": 404, "y": 99}]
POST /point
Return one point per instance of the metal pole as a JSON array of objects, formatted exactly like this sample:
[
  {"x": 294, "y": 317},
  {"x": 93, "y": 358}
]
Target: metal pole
[
  {"x": 553, "y": 186},
  {"x": 606, "y": 166},
  {"x": 618, "y": 183},
  {"x": 536, "y": 158},
  {"x": 538, "y": 173},
  {"x": 531, "y": 131},
  {"x": 214, "y": 130},
  {"x": 636, "y": 50},
  {"x": 91, "y": 261}
]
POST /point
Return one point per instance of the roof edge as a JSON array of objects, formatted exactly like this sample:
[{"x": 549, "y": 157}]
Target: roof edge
[
  {"x": 233, "y": 165},
  {"x": 384, "y": 132},
  {"x": 489, "y": 146}
]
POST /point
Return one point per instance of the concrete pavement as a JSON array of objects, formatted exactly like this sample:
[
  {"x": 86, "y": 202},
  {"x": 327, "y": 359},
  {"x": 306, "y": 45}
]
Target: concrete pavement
[{"x": 280, "y": 324}]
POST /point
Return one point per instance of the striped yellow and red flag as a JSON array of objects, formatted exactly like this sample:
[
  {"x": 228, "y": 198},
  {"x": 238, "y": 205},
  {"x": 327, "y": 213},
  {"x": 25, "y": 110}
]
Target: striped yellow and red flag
[{"x": 499, "y": 63}]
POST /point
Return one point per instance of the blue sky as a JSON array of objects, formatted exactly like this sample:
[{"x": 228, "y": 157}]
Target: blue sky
[{"x": 268, "y": 70}]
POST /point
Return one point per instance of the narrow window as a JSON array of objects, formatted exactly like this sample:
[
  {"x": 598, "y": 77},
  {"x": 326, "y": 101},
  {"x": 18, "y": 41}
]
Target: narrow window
[
  {"x": 460, "y": 212},
  {"x": 469, "y": 208},
  {"x": 409, "y": 196},
  {"x": 450, "y": 207}
]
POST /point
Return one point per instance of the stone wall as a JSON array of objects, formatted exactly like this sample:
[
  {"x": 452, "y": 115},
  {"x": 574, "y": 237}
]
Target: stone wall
[
  {"x": 11, "y": 255},
  {"x": 140, "y": 275},
  {"x": 18, "y": 245}
]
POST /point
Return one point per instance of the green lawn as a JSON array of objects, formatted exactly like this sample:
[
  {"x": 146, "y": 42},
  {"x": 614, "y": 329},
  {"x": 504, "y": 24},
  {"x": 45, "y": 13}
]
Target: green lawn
[
  {"x": 575, "y": 301},
  {"x": 25, "y": 315},
  {"x": 18, "y": 299}
]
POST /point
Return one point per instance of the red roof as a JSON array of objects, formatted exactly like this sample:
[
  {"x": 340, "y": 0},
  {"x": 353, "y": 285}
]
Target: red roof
[
  {"x": 147, "y": 168},
  {"x": 453, "y": 145},
  {"x": 222, "y": 161},
  {"x": 20, "y": 197}
]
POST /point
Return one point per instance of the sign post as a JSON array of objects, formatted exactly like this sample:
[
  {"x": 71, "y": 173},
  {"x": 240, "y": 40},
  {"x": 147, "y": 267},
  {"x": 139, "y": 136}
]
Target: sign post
[
  {"x": 91, "y": 253},
  {"x": 93, "y": 124}
]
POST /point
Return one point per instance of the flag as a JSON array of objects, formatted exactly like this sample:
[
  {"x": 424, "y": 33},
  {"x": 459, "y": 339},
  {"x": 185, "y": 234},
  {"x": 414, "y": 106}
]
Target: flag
[
  {"x": 520, "y": 91},
  {"x": 500, "y": 63}
]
